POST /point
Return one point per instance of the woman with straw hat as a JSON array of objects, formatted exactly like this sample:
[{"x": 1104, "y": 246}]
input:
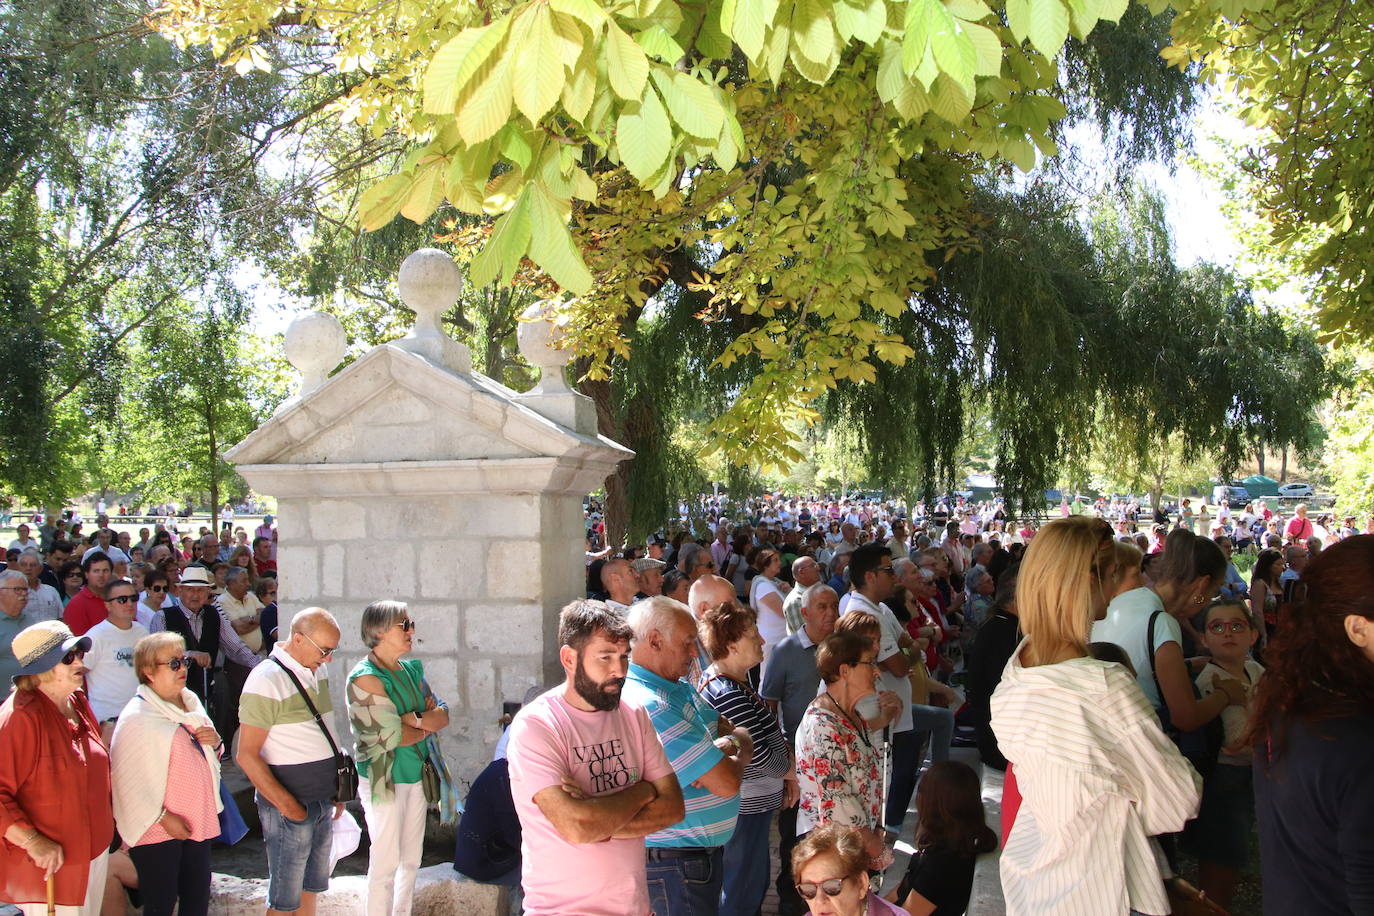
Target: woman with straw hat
[{"x": 55, "y": 813}]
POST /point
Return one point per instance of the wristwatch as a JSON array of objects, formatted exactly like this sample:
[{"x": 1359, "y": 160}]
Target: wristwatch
[{"x": 739, "y": 745}]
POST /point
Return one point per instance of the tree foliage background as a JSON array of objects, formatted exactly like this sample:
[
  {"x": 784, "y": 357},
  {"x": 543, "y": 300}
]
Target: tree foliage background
[{"x": 770, "y": 220}]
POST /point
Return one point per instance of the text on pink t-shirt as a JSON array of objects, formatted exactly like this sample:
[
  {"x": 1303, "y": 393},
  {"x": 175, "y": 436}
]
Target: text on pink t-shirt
[{"x": 605, "y": 752}]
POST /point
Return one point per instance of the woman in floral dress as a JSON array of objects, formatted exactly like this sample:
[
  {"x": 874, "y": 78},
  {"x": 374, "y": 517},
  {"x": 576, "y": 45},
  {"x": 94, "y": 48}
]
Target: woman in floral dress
[{"x": 837, "y": 760}]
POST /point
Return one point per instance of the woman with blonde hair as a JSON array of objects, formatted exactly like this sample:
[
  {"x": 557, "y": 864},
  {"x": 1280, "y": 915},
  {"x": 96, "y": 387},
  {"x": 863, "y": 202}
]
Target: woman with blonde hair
[{"x": 1097, "y": 775}]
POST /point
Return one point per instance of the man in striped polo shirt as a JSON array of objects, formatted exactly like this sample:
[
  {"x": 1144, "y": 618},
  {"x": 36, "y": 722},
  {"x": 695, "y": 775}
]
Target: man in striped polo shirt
[
  {"x": 685, "y": 861},
  {"x": 290, "y": 763}
]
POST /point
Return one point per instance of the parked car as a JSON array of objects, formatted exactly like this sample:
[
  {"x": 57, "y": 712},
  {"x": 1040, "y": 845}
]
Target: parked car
[
  {"x": 1234, "y": 495},
  {"x": 1296, "y": 491}
]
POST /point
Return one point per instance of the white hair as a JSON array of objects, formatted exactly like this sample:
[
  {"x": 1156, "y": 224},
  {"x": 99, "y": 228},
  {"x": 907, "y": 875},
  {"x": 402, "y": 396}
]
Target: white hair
[
  {"x": 813, "y": 592},
  {"x": 660, "y": 613}
]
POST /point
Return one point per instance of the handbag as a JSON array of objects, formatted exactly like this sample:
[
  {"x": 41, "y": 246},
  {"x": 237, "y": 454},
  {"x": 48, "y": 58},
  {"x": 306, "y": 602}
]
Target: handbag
[
  {"x": 429, "y": 780},
  {"x": 231, "y": 825},
  {"x": 345, "y": 770}
]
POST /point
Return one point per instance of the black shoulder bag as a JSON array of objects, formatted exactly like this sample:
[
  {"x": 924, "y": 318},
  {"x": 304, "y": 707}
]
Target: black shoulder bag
[
  {"x": 1199, "y": 746},
  {"x": 345, "y": 770}
]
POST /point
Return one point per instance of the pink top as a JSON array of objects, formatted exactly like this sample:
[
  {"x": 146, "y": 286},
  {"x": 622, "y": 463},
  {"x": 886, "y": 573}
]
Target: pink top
[
  {"x": 605, "y": 752},
  {"x": 190, "y": 793}
]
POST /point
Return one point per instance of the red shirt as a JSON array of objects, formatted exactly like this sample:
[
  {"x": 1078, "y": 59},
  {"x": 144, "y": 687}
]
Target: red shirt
[
  {"x": 54, "y": 778},
  {"x": 84, "y": 611},
  {"x": 265, "y": 565}
]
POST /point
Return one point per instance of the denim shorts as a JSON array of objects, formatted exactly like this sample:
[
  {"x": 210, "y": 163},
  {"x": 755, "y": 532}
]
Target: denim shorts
[{"x": 297, "y": 853}]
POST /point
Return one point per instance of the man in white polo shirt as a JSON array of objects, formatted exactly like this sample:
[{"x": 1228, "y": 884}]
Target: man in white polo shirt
[{"x": 285, "y": 754}]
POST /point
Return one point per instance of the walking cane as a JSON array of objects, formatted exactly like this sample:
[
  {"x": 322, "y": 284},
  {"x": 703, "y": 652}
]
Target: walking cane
[{"x": 52, "y": 906}]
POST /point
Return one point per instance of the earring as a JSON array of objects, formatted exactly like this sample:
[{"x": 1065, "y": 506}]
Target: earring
[{"x": 1199, "y": 600}]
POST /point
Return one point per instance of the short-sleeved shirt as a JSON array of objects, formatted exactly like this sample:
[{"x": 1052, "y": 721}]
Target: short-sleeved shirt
[
  {"x": 11, "y": 627},
  {"x": 687, "y": 727},
  {"x": 943, "y": 877},
  {"x": 606, "y": 753},
  {"x": 761, "y": 788},
  {"x": 791, "y": 680},
  {"x": 1127, "y": 625},
  {"x": 110, "y": 677},
  {"x": 1234, "y": 719},
  {"x": 295, "y": 750},
  {"x": 405, "y": 690},
  {"x": 888, "y": 647}
]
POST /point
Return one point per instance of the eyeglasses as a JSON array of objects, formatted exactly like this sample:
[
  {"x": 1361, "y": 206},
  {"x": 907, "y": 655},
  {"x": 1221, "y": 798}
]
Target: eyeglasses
[
  {"x": 1219, "y": 627},
  {"x": 177, "y": 664},
  {"x": 324, "y": 653},
  {"x": 16, "y": 588},
  {"x": 122, "y": 599},
  {"x": 73, "y": 656},
  {"x": 887, "y": 569},
  {"x": 833, "y": 887},
  {"x": 406, "y": 625}
]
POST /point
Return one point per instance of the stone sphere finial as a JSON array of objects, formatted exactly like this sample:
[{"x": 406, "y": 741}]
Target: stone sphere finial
[
  {"x": 314, "y": 343},
  {"x": 539, "y": 330},
  {"x": 430, "y": 283}
]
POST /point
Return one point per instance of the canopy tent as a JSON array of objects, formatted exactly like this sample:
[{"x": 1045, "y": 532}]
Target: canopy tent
[{"x": 1259, "y": 485}]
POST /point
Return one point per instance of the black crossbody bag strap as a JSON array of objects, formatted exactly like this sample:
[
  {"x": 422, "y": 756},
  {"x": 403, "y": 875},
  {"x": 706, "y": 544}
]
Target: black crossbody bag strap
[{"x": 319, "y": 720}]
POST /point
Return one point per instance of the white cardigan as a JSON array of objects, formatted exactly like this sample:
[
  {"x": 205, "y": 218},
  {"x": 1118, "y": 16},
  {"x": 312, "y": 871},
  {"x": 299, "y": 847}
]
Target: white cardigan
[
  {"x": 1098, "y": 778},
  {"x": 140, "y": 753}
]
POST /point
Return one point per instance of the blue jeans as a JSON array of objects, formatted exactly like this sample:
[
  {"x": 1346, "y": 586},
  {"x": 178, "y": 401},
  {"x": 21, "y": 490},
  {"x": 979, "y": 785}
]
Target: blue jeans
[
  {"x": 684, "y": 881},
  {"x": 297, "y": 853},
  {"x": 933, "y": 722},
  {"x": 746, "y": 865}
]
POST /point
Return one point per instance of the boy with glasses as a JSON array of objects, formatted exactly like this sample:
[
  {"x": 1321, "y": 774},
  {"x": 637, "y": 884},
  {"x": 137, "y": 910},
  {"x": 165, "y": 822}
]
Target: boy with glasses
[{"x": 110, "y": 676}]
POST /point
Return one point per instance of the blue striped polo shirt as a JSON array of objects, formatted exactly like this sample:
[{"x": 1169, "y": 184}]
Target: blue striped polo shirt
[{"x": 686, "y": 725}]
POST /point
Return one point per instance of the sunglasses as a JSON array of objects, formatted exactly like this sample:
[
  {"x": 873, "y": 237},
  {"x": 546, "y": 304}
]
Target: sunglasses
[
  {"x": 406, "y": 625},
  {"x": 157, "y": 588},
  {"x": 177, "y": 664},
  {"x": 832, "y": 887},
  {"x": 74, "y": 655},
  {"x": 1219, "y": 627},
  {"x": 324, "y": 653},
  {"x": 122, "y": 599}
]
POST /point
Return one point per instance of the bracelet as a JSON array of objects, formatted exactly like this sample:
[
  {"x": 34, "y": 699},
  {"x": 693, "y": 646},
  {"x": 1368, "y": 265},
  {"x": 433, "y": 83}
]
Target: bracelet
[{"x": 739, "y": 745}]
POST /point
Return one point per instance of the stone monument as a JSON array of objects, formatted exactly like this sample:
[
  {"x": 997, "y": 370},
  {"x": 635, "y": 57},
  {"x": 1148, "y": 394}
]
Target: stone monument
[{"x": 408, "y": 476}]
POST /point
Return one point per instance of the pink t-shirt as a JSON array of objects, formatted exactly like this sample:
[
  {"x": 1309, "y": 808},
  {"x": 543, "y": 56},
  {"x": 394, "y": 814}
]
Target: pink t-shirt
[{"x": 605, "y": 752}]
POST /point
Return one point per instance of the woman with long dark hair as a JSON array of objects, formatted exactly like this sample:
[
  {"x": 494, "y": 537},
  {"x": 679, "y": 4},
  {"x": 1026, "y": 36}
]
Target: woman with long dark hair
[
  {"x": 1265, "y": 591},
  {"x": 1313, "y": 734}
]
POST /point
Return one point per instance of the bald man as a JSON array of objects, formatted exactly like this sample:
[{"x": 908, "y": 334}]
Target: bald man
[
  {"x": 290, "y": 761},
  {"x": 709, "y": 591},
  {"x": 618, "y": 579},
  {"x": 806, "y": 572}
]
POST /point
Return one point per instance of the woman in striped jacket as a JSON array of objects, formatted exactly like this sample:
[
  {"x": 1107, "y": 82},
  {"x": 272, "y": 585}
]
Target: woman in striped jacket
[{"x": 1097, "y": 775}]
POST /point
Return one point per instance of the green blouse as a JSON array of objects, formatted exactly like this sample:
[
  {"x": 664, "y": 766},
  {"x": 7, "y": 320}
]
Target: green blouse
[{"x": 406, "y": 691}]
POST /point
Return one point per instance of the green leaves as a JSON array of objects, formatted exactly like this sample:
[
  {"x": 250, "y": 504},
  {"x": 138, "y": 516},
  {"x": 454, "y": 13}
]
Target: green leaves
[
  {"x": 694, "y": 105},
  {"x": 457, "y": 62},
  {"x": 626, "y": 66},
  {"x": 538, "y": 61},
  {"x": 1044, "y": 22},
  {"x": 644, "y": 136}
]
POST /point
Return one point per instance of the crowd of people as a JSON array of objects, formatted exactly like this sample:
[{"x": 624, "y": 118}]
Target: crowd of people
[
  {"x": 135, "y": 665},
  {"x": 805, "y": 668}
]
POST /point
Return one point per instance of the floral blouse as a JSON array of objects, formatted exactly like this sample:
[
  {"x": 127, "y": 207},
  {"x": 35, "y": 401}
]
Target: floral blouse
[{"x": 837, "y": 770}]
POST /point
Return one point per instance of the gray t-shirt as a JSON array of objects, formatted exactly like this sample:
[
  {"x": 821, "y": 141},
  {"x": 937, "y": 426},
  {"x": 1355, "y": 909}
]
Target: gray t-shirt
[{"x": 790, "y": 679}]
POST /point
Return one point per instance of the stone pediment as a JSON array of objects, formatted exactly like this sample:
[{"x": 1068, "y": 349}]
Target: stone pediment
[{"x": 392, "y": 405}]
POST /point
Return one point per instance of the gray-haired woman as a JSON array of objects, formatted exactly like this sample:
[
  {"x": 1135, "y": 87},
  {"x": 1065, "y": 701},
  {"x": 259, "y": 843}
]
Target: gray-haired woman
[{"x": 392, "y": 712}]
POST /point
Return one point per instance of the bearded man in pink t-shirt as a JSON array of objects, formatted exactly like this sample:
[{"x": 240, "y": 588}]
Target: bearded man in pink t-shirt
[{"x": 589, "y": 778}]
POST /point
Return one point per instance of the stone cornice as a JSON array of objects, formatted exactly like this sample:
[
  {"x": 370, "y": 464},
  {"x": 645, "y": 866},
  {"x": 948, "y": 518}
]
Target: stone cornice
[{"x": 566, "y": 474}]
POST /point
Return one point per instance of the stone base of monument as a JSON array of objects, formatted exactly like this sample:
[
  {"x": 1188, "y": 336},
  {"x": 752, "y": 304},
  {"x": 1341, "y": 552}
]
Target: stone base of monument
[{"x": 439, "y": 891}]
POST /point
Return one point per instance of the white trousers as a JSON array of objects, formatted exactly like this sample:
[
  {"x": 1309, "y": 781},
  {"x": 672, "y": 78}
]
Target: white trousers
[
  {"x": 396, "y": 830},
  {"x": 95, "y": 893}
]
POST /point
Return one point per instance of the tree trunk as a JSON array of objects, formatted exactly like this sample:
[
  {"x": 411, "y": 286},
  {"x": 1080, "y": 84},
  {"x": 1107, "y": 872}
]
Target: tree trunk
[
  {"x": 1259, "y": 458},
  {"x": 1283, "y": 465},
  {"x": 214, "y": 469},
  {"x": 616, "y": 511}
]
